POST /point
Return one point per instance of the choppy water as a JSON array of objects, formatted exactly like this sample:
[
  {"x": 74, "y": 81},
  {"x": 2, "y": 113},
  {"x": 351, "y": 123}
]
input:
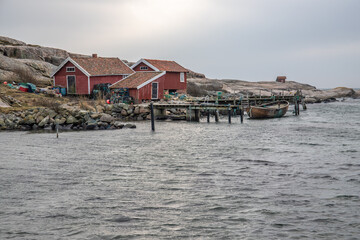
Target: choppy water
[{"x": 288, "y": 178}]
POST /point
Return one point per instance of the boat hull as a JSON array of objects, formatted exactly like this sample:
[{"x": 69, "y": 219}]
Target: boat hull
[{"x": 272, "y": 110}]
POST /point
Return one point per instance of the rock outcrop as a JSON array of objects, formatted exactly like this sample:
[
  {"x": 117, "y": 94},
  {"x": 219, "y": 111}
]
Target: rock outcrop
[
  {"x": 25, "y": 62},
  {"x": 235, "y": 88}
]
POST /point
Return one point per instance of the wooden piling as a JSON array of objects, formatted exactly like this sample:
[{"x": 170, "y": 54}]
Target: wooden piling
[
  {"x": 229, "y": 114},
  {"x": 241, "y": 115},
  {"x": 217, "y": 115},
  {"x": 208, "y": 115},
  {"x": 57, "y": 130},
  {"x": 152, "y": 117}
]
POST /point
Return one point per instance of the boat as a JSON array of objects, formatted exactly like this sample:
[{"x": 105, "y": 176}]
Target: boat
[{"x": 268, "y": 110}]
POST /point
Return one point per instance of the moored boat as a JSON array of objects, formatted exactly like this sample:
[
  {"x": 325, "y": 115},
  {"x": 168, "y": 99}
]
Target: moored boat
[{"x": 268, "y": 110}]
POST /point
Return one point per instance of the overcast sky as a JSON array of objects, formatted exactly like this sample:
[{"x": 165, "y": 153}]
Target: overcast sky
[{"x": 310, "y": 41}]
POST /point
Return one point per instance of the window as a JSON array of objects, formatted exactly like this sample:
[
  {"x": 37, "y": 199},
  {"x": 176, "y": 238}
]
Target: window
[
  {"x": 70, "y": 69},
  {"x": 182, "y": 77},
  {"x": 154, "y": 92},
  {"x": 143, "y": 68}
]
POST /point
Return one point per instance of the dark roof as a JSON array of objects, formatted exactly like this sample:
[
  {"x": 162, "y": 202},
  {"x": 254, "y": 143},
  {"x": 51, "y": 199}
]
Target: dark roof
[
  {"x": 135, "y": 80},
  {"x": 169, "y": 66},
  {"x": 103, "y": 66},
  {"x": 281, "y": 78}
]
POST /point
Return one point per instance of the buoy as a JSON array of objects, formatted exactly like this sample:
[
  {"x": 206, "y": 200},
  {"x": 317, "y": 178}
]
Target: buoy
[
  {"x": 108, "y": 101},
  {"x": 5, "y": 83}
]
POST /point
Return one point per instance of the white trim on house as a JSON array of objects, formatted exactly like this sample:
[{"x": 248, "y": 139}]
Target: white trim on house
[
  {"x": 54, "y": 80},
  {"x": 69, "y": 59},
  {"x": 152, "y": 79},
  {"x": 157, "y": 90},
  {"x": 145, "y": 62},
  {"x": 88, "y": 85},
  {"x": 70, "y": 69},
  {"x": 67, "y": 83}
]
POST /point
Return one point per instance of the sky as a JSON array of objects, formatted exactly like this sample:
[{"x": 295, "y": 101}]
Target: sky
[{"x": 310, "y": 41}]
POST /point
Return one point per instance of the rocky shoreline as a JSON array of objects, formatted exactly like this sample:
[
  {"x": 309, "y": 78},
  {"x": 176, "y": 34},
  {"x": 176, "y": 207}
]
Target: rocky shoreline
[
  {"x": 65, "y": 119},
  {"x": 236, "y": 88}
]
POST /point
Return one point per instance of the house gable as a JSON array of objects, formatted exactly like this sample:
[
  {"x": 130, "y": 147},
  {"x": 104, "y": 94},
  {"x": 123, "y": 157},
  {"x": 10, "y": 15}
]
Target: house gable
[
  {"x": 143, "y": 62},
  {"x": 73, "y": 63}
]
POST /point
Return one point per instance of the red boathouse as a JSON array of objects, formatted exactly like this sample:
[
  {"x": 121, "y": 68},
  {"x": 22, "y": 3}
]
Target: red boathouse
[
  {"x": 79, "y": 75},
  {"x": 152, "y": 78}
]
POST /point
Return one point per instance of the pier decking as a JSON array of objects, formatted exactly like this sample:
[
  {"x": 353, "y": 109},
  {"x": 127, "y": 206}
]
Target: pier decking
[{"x": 194, "y": 108}]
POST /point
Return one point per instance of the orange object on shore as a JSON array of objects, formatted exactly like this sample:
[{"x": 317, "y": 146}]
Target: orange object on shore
[
  {"x": 5, "y": 83},
  {"x": 108, "y": 101}
]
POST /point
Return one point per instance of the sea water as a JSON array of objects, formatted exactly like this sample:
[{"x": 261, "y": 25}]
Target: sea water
[{"x": 296, "y": 177}]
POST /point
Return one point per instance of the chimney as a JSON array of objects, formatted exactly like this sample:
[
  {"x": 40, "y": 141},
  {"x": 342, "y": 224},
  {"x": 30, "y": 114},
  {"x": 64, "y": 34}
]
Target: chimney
[{"x": 94, "y": 55}]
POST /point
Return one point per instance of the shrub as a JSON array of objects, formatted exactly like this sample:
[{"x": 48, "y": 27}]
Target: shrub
[{"x": 26, "y": 75}]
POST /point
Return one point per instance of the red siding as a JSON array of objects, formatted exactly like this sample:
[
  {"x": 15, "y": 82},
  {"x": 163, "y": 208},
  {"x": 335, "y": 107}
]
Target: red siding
[
  {"x": 144, "y": 93},
  {"x": 137, "y": 68},
  {"x": 104, "y": 79},
  {"x": 173, "y": 81},
  {"x": 80, "y": 78}
]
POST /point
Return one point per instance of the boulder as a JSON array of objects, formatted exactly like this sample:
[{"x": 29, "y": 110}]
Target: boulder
[
  {"x": 39, "y": 119},
  {"x": 137, "y": 110},
  {"x": 60, "y": 120},
  {"x": 118, "y": 124},
  {"x": 71, "y": 120},
  {"x": 28, "y": 120},
  {"x": 91, "y": 126},
  {"x": 144, "y": 109},
  {"x": 95, "y": 115},
  {"x": 124, "y": 112},
  {"x": 106, "y": 118},
  {"x": 44, "y": 122}
]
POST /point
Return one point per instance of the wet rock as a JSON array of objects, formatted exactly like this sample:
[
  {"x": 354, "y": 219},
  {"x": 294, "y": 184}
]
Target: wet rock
[
  {"x": 118, "y": 124},
  {"x": 129, "y": 125},
  {"x": 91, "y": 126}
]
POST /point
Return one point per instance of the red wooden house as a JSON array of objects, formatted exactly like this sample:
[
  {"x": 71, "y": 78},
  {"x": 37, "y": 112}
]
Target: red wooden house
[
  {"x": 152, "y": 78},
  {"x": 79, "y": 75}
]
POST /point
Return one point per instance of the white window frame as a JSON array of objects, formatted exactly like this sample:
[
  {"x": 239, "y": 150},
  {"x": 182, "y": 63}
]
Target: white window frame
[
  {"x": 144, "y": 68},
  {"x": 67, "y": 69},
  {"x": 67, "y": 83},
  {"x": 157, "y": 90},
  {"x": 182, "y": 77}
]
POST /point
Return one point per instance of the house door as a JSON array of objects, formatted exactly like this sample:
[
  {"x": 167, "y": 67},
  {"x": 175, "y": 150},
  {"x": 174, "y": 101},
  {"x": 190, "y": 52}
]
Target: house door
[
  {"x": 71, "y": 85},
  {"x": 154, "y": 92}
]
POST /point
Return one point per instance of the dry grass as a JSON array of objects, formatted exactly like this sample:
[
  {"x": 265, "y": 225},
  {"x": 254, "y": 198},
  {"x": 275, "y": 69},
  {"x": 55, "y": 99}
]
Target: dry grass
[
  {"x": 52, "y": 104},
  {"x": 29, "y": 100},
  {"x": 85, "y": 104}
]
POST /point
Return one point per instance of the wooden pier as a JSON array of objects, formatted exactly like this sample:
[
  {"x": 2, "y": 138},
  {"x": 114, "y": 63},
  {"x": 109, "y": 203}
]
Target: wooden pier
[{"x": 194, "y": 108}]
